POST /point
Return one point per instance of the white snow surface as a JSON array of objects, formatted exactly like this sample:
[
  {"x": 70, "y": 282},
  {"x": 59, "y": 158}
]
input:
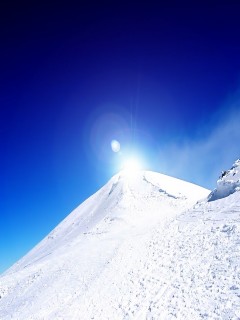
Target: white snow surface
[{"x": 149, "y": 247}]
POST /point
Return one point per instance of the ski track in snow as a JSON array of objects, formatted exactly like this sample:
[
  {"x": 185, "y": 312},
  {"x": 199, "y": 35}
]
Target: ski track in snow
[{"x": 124, "y": 262}]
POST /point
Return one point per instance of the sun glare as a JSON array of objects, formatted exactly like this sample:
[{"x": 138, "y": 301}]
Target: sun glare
[{"x": 131, "y": 167}]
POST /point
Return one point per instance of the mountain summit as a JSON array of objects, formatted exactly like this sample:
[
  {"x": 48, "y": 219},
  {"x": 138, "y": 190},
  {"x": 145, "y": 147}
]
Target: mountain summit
[{"x": 136, "y": 249}]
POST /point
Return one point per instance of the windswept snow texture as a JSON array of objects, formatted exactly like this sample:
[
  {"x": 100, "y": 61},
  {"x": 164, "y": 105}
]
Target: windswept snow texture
[
  {"x": 228, "y": 183},
  {"x": 137, "y": 249}
]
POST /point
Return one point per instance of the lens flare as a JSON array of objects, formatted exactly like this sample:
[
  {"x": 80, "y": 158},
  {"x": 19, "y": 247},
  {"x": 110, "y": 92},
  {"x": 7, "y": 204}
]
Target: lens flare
[{"x": 115, "y": 145}]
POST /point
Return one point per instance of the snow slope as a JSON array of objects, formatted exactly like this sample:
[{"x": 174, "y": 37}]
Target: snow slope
[{"x": 136, "y": 249}]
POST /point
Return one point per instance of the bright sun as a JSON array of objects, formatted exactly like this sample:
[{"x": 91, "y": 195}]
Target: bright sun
[{"x": 131, "y": 166}]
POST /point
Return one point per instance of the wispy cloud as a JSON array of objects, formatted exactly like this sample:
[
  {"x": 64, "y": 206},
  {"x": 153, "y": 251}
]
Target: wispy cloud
[{"x": 201, "y": 160}]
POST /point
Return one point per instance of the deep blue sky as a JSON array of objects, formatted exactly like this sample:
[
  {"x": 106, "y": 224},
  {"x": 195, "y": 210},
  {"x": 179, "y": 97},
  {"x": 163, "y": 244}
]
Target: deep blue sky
[{"x": 163, "y": 79}]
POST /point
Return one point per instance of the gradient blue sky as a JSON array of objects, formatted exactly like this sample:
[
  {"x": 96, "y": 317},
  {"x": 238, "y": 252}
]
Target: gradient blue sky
[{"x": 163, "y": 79}]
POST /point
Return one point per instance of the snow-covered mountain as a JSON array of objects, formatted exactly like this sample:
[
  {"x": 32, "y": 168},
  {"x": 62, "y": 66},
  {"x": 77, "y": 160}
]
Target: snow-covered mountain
[{"x": 145, "y": 247}]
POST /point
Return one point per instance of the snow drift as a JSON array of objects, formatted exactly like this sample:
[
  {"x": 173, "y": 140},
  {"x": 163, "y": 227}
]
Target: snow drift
[{"x": 137, "y": 249}]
